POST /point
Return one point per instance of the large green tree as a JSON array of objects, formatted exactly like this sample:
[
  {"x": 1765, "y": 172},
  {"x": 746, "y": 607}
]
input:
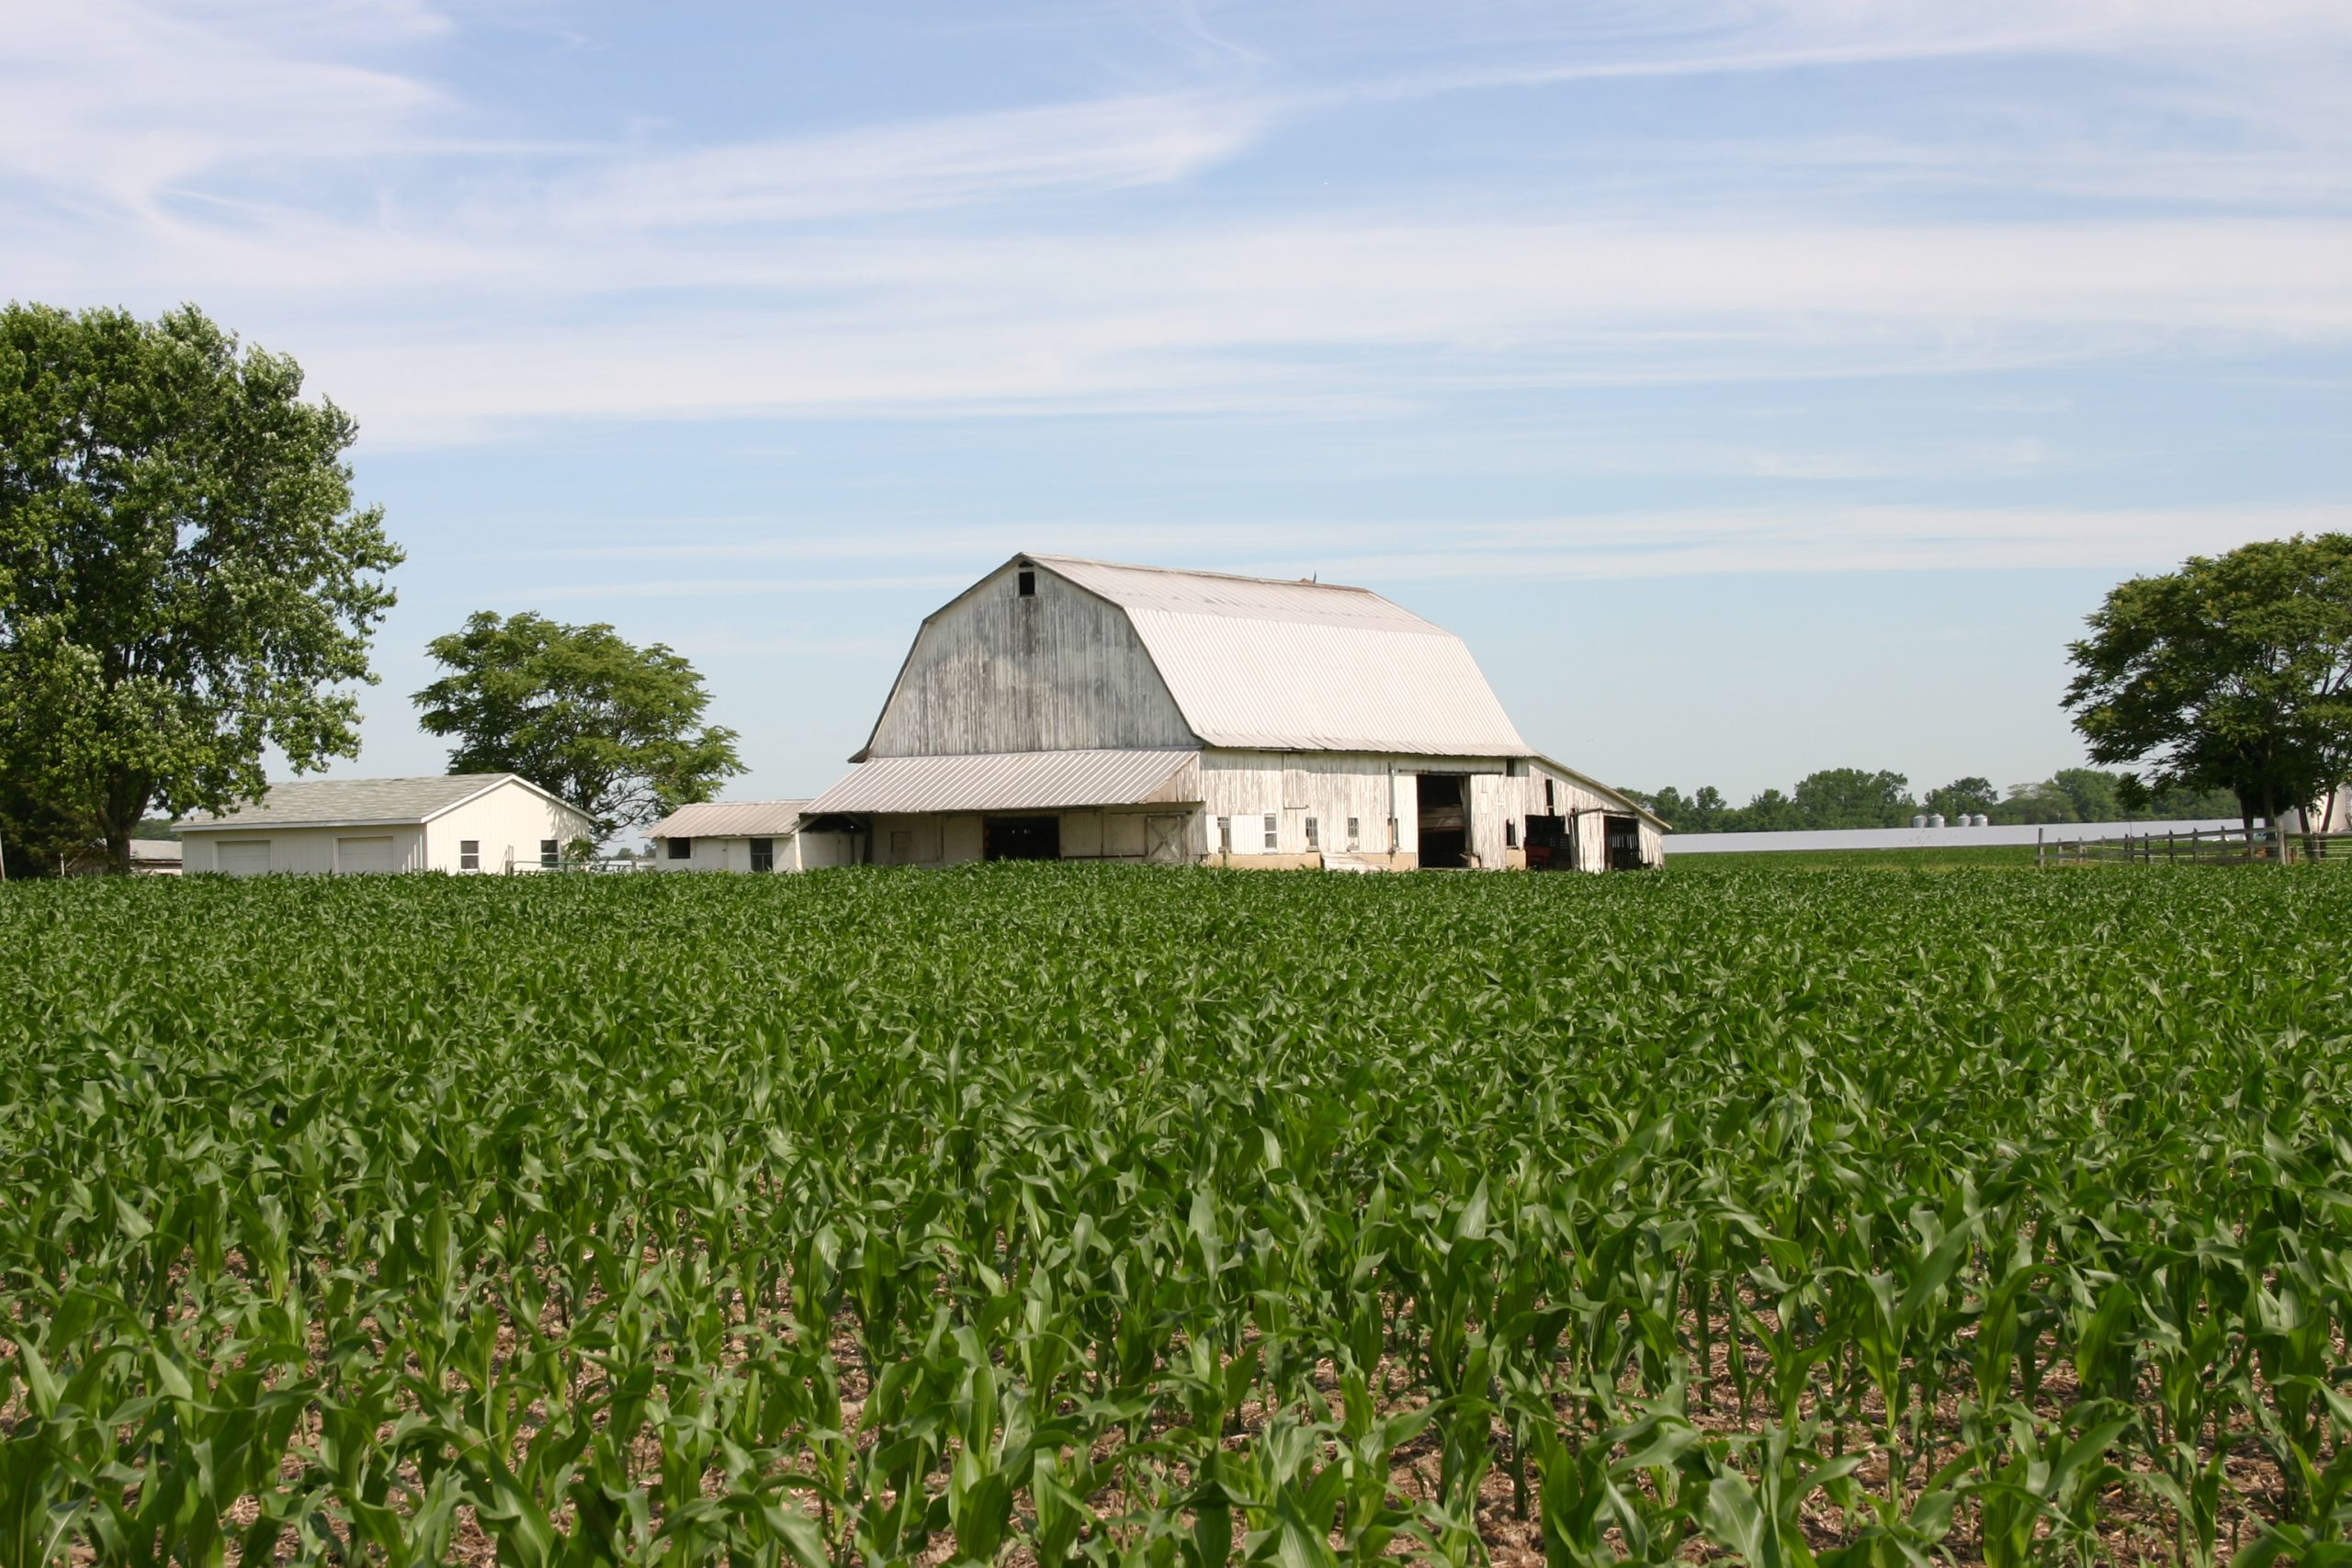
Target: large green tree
[
  {"x": 613, "y": 728},
  {"x": 2233, "y": 672},
  {"x": 1853, "y": 797},
  {"x": 184, "y": 577}
]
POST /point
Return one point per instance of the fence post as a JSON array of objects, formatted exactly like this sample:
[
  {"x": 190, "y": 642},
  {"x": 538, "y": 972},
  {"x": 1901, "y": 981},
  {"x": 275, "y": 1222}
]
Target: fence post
[{"x": 2038, "y": 834}]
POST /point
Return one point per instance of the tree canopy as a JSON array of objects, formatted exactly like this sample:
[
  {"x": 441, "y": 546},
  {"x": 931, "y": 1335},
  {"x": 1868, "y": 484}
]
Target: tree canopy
[
  {"x": 184, "y": 577},
  {"x": 2233, "y": 672},
  {"x": 613, "y": 728}
]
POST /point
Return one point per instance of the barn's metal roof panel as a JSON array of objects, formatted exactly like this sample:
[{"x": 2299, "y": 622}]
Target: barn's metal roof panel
[
  {"x": 731, "y": 819},
  {"x": 1023, "y": 781},
  {"x": 320, "y": 803},
  {"x": 1296, "y": 666}
]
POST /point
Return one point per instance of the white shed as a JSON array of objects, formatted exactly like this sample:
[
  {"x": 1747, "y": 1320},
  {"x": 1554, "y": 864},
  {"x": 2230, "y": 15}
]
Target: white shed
[
  {"x": 454, "y": 822},
  {"x": 1073, "y": 709},
  {"x": 744, "y": 835}
]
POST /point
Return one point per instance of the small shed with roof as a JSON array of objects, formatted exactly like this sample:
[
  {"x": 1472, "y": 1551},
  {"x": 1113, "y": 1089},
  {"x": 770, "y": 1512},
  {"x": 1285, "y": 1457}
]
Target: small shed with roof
[
  {"x": 454, "y": 822},
  {"x": 744, "y": 835}
]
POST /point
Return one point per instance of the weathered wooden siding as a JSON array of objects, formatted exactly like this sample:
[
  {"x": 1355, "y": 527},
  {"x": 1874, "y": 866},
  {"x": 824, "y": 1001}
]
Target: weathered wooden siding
[
  {"x": 1062, "y": 670},
  {"x": 1330, "y": 786},
  {"x": 1524, "y": 798},
  {"x": 1089, "y": 833}
]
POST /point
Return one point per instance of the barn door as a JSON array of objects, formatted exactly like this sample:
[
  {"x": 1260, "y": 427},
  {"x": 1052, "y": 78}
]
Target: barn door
[
  {"x": 1163, "y": 840},
  {"x": 372, "y": 855},
  {"x": 242, "y": 857}
]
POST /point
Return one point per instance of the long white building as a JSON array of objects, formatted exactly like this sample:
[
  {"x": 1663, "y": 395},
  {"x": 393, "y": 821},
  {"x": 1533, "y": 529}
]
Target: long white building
[{"x": 1073, "y": 709}]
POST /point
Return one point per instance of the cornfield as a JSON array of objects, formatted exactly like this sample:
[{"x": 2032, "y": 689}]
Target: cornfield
[{"x": 1051, "y": 1215}]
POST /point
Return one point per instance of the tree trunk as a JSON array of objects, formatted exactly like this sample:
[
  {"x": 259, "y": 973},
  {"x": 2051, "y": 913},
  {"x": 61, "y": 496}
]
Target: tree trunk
[{"x": 126, "y": 803}]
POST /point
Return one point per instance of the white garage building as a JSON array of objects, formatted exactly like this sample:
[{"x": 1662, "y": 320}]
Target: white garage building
[
  {"x": 454, "y": 822},
  {"x": 1074, "y": 709}
]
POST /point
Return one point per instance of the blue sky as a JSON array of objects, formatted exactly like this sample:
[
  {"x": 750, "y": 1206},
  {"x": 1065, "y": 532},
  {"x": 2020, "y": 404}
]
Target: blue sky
[{"x": 1756, "y": 386}]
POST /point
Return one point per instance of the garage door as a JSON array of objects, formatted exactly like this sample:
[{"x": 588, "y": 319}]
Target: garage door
[
  {"x": 363, "y": 854},
  {"x": 243, "y": 857}
]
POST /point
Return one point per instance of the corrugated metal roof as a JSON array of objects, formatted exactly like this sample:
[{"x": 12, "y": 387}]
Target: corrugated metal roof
[
  {"x": 1303, "y": 666},
  {"x": 324, "y": 802},
  {"x": 1025, "y": 781},
  {"x": 731, "y": 820}
]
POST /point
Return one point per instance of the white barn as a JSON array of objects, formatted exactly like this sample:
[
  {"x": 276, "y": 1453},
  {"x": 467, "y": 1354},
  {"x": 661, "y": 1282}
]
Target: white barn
[
  {"x": 1074, "y": 709},
  {"x": 454, "y": 822},
  {"x": 744, "y": 835}
]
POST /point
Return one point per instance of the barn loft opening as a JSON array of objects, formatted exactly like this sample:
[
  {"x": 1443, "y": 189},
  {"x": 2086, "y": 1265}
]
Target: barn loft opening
[
  {"x": 1445, "y": 821},
  {"x": 1028, "y": 584}
]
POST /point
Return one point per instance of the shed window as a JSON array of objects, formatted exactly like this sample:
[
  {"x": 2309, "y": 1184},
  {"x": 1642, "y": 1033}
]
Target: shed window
[
  {"x": 1225, "y": 834},
  {"x": 1273, "y": 826},
  {"x": 1028, "y": 580},
  {"x": 1356, "y": 835},
  {"x": 763, "y": 854},
  {"x": 1314, "y": 834},
  {"x": 468, "y": 854},
  {"x": 550, "y": 854},
  {"x": 680, "y": 848},
  {"x": 1511, "y": 832}
]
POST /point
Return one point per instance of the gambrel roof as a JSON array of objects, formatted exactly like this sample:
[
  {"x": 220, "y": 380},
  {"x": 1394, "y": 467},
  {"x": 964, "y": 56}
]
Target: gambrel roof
[
  {"x": 1263, "y": 664},
  {"x": 1302, "y": 666}
]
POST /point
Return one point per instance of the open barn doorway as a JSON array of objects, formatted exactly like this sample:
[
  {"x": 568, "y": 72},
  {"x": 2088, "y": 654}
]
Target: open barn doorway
[
  {"x": 1022, "y": 838},
  {"x": 1445, "y": 821}
]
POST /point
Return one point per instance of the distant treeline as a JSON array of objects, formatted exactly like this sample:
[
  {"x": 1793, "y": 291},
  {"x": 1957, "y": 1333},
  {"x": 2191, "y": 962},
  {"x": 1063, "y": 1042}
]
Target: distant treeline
[{"x": 1856, "y": 797}]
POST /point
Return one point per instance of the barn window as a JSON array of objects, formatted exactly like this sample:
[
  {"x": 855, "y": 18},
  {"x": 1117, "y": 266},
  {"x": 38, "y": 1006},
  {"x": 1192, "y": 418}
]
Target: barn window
[
  {"x": 1511, "y": 832},
  {"x": 763, "y": 854},
  {"x": 1355, "y": 837},
  {"x": 468, "y": 854},
  {"x": 1028, "y": 580},
  {"x": 550, "y": 852},
  {"x": 680, "y": 849},
  {"x": 1225, "y": 834},
  {"x": 1272, "y": 824},
  {"x": 1549, "y": 810},
  {"x": 1314, "y": 834}
]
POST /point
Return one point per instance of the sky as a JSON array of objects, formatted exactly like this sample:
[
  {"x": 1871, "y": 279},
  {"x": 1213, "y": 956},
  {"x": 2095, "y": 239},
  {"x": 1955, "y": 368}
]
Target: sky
[{"x": 1757, "y": 386}]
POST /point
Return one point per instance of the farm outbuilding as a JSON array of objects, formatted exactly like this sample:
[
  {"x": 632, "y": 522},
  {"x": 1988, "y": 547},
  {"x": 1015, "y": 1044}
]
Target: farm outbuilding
[
  {"x": 1069, "y": 709},
  {"x": 745, "y": 835},
  {"x": 454, "y": 822}
]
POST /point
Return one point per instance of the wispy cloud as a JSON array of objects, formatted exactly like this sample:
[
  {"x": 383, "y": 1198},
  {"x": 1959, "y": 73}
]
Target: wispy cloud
[
  {"x": 1044, "y": 260},
  {"x": 1600, "y": 546}
]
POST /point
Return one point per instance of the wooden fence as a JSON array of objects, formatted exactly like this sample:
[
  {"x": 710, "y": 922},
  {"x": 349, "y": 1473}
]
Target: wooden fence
[{"x": 2206, "y": 846}]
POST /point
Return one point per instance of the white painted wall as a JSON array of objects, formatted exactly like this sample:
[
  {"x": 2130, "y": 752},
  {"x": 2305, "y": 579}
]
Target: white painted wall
[
  {"x": 509, "y": 818},
  {"x": 724, "y": 853}
]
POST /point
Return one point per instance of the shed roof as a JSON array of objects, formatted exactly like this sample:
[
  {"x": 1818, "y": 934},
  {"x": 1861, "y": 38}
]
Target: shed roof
[
  {"x": 1023, "y": 781},
  {"x": 1266, "y": 664},
  {"x": 731, "y": 820},
  {"x": 322, "y": 803}
]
